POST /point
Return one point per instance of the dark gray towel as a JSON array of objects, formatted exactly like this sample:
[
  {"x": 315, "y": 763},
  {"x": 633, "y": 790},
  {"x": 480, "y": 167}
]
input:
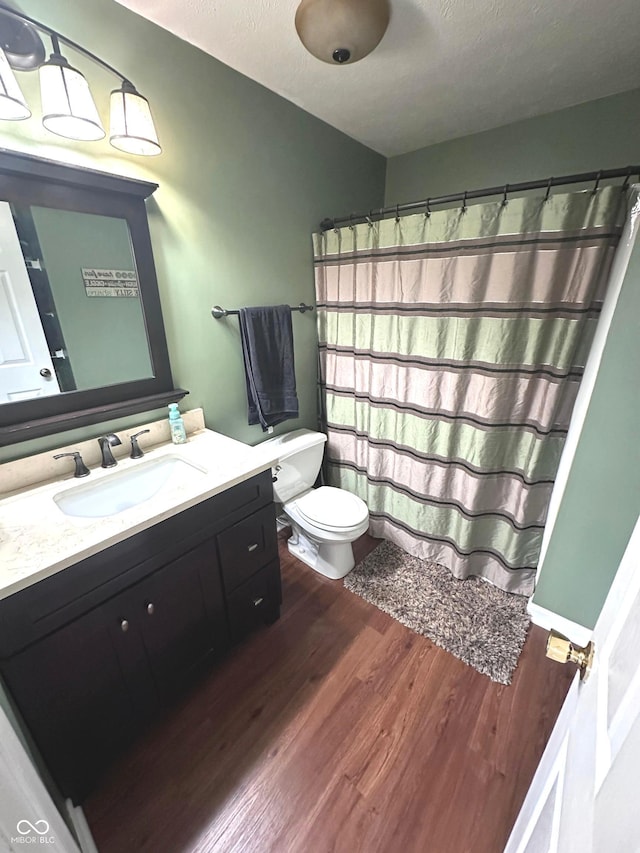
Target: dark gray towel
[{"x": 267, "y": 349}]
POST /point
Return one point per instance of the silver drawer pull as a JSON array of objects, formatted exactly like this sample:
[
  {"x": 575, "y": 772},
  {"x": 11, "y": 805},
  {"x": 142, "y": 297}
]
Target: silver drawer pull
[
  {"x": 124, "y": 625},
  {"x": 252, "y": 547},
  {"x": 150, "y": 609},
  {"x": 257, "y": 602}
]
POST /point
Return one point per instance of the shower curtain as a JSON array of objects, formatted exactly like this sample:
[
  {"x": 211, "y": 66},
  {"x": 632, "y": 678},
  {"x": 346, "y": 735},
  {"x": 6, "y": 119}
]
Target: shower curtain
[{"x": 451, "y": 348}]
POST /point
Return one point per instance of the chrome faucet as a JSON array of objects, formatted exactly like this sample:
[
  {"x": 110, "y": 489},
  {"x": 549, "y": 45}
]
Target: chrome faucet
[{"x": 106, "y": 442}]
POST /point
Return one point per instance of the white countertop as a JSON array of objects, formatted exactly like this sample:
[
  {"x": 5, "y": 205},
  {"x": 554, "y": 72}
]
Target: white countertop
[{"x": 37, "y": 539}]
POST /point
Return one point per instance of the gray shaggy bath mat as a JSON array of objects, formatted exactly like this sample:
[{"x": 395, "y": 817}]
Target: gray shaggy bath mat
[{"x": 478, "y": 623}]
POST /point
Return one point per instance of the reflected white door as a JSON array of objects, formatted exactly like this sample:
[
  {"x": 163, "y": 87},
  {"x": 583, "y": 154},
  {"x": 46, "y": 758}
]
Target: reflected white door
[
  {"x": 584, "y": 796},
  {"x": 23, "y": 347}
]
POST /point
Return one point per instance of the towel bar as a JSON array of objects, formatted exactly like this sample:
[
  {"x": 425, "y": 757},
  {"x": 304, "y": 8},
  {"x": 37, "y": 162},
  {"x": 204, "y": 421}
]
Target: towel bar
[{"x": 219, "y": 312}]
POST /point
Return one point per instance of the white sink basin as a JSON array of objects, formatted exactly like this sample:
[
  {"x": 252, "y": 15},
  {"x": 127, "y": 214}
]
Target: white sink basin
[{"x": 123, "y": 489}]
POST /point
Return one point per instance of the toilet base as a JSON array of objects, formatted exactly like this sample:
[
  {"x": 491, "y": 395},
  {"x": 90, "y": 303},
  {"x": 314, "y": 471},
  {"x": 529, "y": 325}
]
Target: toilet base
[{"x": 332, "y": 559}]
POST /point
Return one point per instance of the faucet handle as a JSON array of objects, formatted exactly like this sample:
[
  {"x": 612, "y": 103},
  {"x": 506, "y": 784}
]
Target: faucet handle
[
  {"x": 81, "y": 468},
  {"x": 136, "y": 452}
]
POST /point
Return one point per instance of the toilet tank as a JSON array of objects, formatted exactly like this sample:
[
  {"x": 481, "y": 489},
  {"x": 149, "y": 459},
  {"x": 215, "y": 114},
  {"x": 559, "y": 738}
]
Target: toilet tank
[{"x": 299, "y": 457}]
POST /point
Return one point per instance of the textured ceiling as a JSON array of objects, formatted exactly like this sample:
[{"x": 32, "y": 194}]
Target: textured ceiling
[{"x": 445, "y": 68}]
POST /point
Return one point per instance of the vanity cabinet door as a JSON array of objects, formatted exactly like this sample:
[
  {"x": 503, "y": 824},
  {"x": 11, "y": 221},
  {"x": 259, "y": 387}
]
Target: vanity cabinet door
[
  {"x": 181, "y": 617},
  {"x": 72, "y": 693}
]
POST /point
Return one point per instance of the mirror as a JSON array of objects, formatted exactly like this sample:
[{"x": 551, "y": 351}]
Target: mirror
[
  {"x": 68, "y": 277},
  {"x": 81, "y": 333}
]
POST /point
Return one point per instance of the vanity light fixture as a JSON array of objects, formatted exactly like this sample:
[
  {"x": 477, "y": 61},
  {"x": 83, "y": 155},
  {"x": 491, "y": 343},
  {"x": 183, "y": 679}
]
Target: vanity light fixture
[
  {"x": 132, "y": 129},
  {"x": 341, "y": 31},
  {"x": 13, "y": 105},
  {"x": 68, "y": 107}
]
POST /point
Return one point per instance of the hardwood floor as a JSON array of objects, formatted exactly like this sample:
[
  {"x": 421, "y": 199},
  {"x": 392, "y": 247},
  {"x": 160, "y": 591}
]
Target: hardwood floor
[{"x": 335, "y": 729}]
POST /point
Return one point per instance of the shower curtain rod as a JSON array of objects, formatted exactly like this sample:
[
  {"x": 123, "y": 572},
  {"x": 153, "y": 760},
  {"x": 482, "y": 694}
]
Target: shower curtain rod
[{"x": 505, "y": 191}]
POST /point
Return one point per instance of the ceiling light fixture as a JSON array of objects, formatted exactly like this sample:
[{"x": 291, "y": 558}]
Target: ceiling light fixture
[
  {"x": 341, "y": 31},
  {"x": 68, "y": 107}
]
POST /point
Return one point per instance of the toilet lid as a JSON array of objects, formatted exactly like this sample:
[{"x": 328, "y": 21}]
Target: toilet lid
[{"x": 331, "y": 507}]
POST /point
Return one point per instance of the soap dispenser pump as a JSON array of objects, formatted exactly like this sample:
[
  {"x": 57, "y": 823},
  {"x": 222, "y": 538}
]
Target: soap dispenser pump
[{"x": 176, "y": 425}]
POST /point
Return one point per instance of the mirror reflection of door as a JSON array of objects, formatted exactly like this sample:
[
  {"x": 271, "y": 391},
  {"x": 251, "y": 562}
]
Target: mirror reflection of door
[
  {"x": 26, "y": 368},
  {"x": 79, "y": 291}
]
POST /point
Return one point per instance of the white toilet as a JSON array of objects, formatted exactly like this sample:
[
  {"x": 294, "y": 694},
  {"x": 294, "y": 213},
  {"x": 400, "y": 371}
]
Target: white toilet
[{"x": 324, "y": 521}]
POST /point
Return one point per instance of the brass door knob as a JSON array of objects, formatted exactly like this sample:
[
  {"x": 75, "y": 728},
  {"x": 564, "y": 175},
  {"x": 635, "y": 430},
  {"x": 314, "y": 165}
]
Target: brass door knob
[{"x": 561, "y": 649}]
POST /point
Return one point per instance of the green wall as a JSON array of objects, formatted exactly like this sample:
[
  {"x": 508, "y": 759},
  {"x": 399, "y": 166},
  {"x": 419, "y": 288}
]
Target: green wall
[
  {"x": 601, "y": 501},
  {"x": 105, "y": 337},
  {"x": 602, "y": 134},
  {"x": 244, "y": 178},
  {"x": 602, "y": 497}
]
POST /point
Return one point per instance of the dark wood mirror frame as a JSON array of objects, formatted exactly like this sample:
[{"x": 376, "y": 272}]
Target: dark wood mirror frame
[{"x": 32, "y": 180}]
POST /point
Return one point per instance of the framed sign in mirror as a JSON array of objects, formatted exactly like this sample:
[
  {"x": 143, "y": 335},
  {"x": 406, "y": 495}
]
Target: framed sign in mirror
[{"x": 81, "y": 333}]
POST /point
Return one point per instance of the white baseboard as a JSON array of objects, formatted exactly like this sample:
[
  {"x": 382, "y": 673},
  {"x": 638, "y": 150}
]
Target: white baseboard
[{"x": 550, "y": 621}]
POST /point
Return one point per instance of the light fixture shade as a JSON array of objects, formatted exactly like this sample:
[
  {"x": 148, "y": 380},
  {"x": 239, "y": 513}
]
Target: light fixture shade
[
  {"x": 12, "y": 103},
  {"x": 68, "y": 108},
  {"x": 341, "y": 31},
  {"x": 131, "y": 124}
]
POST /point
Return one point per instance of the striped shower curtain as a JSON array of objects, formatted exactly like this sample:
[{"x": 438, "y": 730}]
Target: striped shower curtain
[{"x": 451, "y": 349}]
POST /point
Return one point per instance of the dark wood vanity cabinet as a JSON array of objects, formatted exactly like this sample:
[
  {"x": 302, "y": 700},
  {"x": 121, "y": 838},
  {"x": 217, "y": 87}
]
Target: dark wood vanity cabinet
[{"x": 92, "y": 652}]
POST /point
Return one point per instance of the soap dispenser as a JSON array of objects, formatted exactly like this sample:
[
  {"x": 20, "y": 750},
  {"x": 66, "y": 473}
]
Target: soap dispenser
[{"x": 176, "y": 425}]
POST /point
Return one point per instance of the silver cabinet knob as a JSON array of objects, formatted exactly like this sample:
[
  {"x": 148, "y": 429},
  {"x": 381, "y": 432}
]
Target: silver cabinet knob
[
  {"x": 257, "y": 602},
  {"x": 124, "y": 625},
  {"x": 252, "y": 547},
  {"x": 150, "y": 609}
]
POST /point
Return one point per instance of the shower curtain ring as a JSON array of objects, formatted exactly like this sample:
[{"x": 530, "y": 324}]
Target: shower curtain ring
[
  {"x": 548, "y": 193},
  {"x": 463, "y": 209},
  {"x": 597, "y": 183},
  {"x": 626, "y": 180},
  {"x": 505, "y": 200},
  {"x": 427, "y": 212},
  {"x": 369, "y": 218},
  {"x": 397, "y": 213},
  {"x": 351, "y": 221}
]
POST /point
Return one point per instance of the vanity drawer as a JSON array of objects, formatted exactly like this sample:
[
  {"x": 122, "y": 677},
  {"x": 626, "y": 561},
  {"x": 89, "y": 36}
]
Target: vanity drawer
[
  {"x": 247, "y": 546},
  {"x": 256, "y": 602}
]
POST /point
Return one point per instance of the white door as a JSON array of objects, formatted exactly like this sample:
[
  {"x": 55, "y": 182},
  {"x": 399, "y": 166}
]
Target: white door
[
  {"x": 23, "y": 347},
  {"x": 28, "y": 817},
  {"x": 584, "y": 797}
]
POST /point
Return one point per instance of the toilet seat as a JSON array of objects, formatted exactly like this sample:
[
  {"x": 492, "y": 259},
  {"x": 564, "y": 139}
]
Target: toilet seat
[{"x": 332, "y": 509}]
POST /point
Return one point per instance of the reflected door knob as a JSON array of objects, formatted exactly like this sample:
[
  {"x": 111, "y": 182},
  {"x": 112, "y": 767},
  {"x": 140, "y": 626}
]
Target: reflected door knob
[{"x": 46, "y": 373}]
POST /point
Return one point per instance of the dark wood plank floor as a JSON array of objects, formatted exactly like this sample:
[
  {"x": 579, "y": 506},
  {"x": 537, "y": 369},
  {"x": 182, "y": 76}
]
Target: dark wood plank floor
[{"x": 336, "y": 729}]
